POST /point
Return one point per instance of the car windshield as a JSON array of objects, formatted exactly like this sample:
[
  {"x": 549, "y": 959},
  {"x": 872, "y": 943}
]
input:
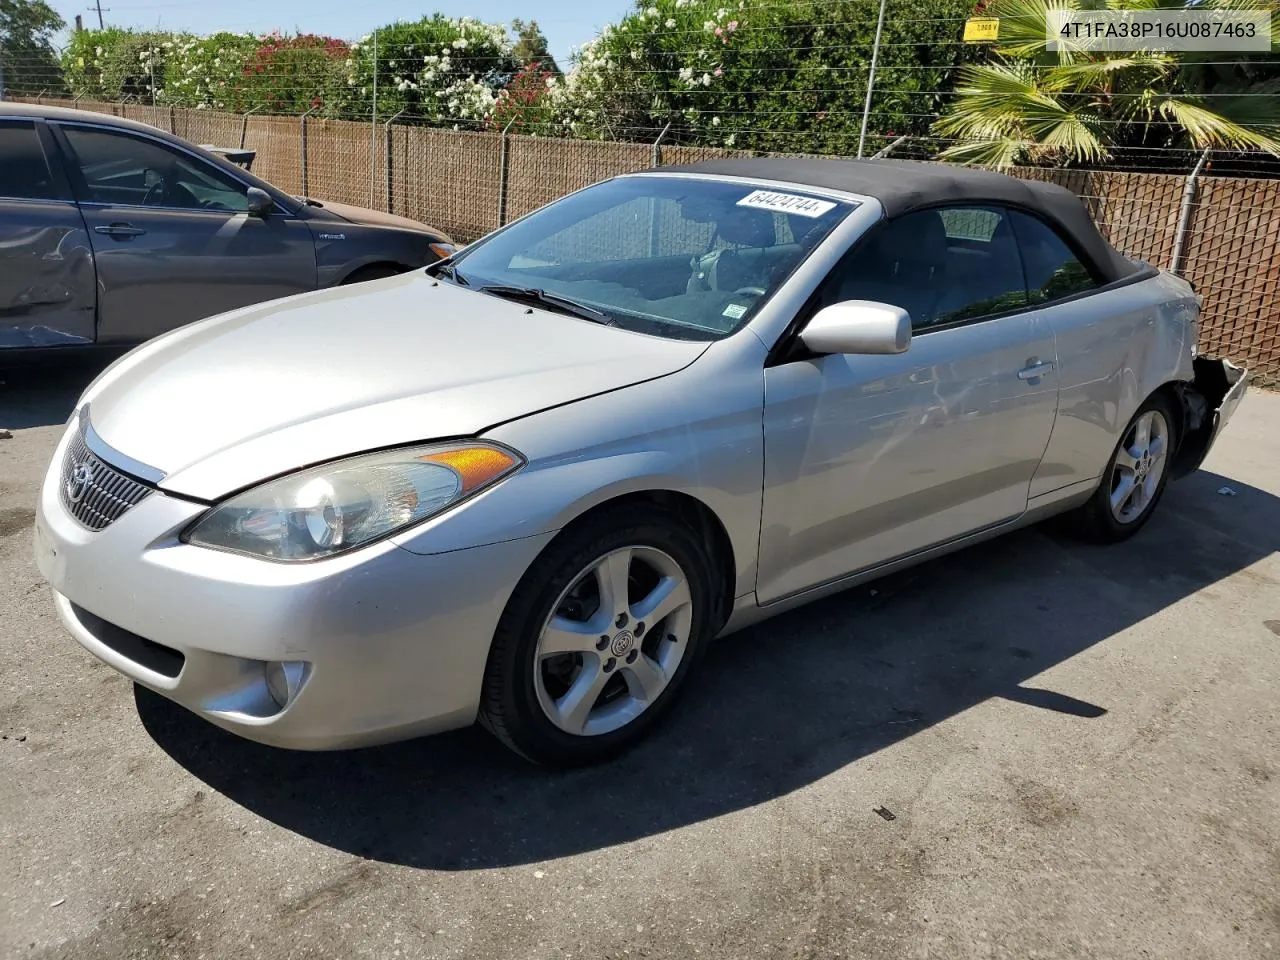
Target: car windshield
[{"x": 672, "y": 256}]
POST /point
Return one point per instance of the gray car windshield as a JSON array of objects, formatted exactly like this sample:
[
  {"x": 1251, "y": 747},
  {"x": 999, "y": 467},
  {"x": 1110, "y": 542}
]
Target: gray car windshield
[{"x": 671, "y": 256}]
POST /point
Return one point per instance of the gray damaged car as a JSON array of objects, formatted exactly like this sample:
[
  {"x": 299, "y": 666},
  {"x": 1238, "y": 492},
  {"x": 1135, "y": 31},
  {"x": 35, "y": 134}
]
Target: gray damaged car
[{"x": 112, "y": 232}]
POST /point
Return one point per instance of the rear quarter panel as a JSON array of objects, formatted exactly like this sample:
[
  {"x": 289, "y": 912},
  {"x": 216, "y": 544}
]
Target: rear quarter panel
[{"x": 1115, "y": 349}]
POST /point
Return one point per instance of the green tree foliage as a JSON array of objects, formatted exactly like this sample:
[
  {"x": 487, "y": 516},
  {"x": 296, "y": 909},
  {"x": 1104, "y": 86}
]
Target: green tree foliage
[
  {"x": 1027, "y": 103},
  {"x": 27, "y": 59},
  {"x": 764, "y": 74},
  {"x": 531, "y": 47}
]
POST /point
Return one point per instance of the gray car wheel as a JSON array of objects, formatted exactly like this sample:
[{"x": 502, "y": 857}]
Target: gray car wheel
[
  {"x": 599, "y": 637},
  {"x": 1135, "y": 476}
]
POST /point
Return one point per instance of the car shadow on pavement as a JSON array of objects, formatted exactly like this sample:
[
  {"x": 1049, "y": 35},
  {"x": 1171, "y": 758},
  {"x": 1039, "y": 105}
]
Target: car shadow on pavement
[
  {"x": 42, "y": 391},
  {"x": 773, "y": 709}
]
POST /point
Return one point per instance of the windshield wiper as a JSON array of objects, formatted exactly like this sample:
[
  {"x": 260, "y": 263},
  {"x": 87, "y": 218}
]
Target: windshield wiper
[
  {"x": 544, "y": 299},
  {"x": 442, "y": 268}
]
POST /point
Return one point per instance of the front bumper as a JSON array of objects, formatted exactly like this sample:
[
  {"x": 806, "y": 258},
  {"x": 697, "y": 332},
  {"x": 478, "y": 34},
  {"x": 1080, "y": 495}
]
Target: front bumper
[{"x": 383, "y": 644}]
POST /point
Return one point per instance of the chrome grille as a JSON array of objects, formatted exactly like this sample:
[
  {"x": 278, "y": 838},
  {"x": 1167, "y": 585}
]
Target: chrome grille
[{"x": 94, "y": 492}]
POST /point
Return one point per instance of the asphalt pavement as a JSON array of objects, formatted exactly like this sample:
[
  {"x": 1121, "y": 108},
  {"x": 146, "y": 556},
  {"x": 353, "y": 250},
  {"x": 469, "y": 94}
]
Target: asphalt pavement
[{"x": 1032, "y": 749}]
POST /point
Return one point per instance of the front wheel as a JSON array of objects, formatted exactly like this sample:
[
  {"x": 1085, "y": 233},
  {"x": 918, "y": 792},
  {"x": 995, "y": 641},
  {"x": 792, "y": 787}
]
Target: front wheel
[
  {"x": 598, "y": 638},
  {"x": 1135, "y": 477}
]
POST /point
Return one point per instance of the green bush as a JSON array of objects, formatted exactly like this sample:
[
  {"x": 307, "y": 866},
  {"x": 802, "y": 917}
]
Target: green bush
[
  {"x": 444, "y": 70},
  {"x": 114, "y": 63},
  {"x": 765, "y": 74}
]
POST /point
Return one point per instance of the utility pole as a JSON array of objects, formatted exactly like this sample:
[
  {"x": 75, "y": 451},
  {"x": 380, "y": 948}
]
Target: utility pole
[
  {"x": 79, "y": 23},
  {"x": 97, "y": 5}
]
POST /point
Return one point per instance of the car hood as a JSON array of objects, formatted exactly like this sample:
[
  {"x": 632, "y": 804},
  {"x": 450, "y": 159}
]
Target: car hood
[
  {"x": 226, "y": 402},
  {"x": 377, "y": 218}
]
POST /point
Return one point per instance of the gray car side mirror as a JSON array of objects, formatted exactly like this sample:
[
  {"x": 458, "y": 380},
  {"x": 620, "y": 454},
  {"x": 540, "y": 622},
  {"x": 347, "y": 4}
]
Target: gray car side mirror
[
  {"x": 858, "y": 326},
  {"x": 260, "y": 202}
]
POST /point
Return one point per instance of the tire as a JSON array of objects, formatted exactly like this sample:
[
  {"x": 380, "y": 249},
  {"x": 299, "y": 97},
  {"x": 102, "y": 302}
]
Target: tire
[
  {"x": 604, "y": 688},
  {"x": 375, "y": 271},
  {"x": 1098, "y": 520}
]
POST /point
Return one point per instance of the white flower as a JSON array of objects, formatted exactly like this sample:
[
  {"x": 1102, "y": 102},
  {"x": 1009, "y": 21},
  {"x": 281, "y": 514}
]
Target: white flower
[
  {"x": 686, "y": 73},
  {"x": 706, "y": 79},
  {"x": 721, "y": 13},
  {"x": 651, "y": 12},
  {"x": 715, "y": 121},
  {"x": 460, "y": 43},
  {"x": 671, "y": 22}
]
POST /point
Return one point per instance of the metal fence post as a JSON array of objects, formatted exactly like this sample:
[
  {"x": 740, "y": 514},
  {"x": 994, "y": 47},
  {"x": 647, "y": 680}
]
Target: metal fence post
[
  {"x": 173, "y": 119},
  {"x": 871, "y": 78},
  {"x": 302, "y": 152},
  {"x": 503, "y": 163},
  {"x": 387, "y": 129},
  {"x": 657, "y": 149},
  {"x": 889, "y": 149},
  {"x": 1184, "y": 215},
  {"x": 373, "y": 124},
  {"x": 244, "y": 124}
]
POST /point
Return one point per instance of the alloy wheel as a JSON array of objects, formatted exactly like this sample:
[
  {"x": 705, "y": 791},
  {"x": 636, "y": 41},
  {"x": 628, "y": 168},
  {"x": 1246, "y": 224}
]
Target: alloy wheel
[
  {"x": 614, "y": 641},
  {"x": 1139, "y": 467}
]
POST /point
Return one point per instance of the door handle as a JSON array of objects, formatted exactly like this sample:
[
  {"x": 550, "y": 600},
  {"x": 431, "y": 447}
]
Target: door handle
[
  {"x": 1036, "y": 368},
  {"x": 120, "y": 230}
]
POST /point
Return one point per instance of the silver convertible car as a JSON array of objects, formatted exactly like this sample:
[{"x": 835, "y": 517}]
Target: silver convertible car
[{"x": 530, "y": 483}]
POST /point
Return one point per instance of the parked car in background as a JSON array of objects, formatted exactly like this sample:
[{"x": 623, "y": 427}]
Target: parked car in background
[
  {"x": 546, "y": 472},
  {"x": 112, "y": 232}
]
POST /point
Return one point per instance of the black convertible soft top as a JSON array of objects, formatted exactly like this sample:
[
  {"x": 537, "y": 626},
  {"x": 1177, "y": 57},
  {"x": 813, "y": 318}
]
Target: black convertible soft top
[{"x": 905, "y": 185}]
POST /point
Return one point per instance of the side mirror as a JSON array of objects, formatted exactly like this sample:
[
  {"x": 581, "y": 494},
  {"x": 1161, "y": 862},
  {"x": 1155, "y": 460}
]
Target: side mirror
[
  {"x": 858, "y": 326},
  {"x": 260, "y": 202}
]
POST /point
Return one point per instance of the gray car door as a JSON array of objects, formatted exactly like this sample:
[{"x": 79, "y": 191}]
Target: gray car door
[
  {"x": 47, "y": 290},
  {"x": 872, "y": 458},
  {"x": 172, "y": 236}
]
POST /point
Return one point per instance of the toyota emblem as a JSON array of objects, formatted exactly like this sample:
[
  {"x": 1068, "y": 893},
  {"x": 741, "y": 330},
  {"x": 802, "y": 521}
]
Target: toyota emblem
[{"x": 79, "y": 481}]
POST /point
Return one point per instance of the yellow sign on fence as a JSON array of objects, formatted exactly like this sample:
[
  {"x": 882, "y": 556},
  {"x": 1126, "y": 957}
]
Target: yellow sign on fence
[{"x": 981, "y": 29}]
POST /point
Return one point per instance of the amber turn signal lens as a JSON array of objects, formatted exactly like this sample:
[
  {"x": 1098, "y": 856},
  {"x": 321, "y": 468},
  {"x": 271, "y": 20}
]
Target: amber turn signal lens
[{"x": 475, "y": 465}]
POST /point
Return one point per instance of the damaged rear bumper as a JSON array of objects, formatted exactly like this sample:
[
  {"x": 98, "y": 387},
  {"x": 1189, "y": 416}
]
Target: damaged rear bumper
[{"x": 1208, "y": 402}]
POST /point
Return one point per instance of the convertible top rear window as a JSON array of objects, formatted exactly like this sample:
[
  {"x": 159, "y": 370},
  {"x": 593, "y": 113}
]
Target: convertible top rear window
[{"x": 672, "y": 256}]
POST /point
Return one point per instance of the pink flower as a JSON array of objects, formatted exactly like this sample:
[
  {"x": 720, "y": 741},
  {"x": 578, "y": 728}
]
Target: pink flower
[
  {"x": 719, "y": 72},
  {"x": 733, "y": 25},
  {"x": 719, "y": 30}
]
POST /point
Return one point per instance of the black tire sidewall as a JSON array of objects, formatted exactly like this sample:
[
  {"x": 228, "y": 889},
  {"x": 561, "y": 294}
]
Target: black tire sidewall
[{"x": 510, "y": 707}]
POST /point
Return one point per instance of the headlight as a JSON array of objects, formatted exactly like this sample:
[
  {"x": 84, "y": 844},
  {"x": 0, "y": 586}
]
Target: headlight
[{"x": 339, "y": 506}]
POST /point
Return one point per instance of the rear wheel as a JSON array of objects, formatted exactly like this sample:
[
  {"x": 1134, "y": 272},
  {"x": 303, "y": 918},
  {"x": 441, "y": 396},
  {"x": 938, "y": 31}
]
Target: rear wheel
[
  {"x": 1135, "y": 478},
  {"x": 598, "y": 638}
]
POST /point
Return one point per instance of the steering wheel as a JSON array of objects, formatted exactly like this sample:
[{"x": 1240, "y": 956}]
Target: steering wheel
[
  {"x": 154, "y": 193},
  {"x": 754, "y": 291}
]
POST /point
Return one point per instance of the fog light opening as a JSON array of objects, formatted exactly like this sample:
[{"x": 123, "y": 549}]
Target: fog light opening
[{"x": 283, "y": 680}]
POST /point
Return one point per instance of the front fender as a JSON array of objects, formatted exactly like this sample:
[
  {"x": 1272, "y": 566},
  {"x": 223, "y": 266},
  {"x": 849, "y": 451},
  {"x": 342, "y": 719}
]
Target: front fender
[
  {"x": 343, "y": 248},
  {"x": 697, "y": 432}
]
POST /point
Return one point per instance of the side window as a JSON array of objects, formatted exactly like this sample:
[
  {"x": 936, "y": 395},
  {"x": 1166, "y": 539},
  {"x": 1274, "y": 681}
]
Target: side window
[
  {"x": 123, "y": 169},
  {"x": 940, "y": 265},
  {"x": 26, "y": 172},
  {"x": 1053, "y": 271}
]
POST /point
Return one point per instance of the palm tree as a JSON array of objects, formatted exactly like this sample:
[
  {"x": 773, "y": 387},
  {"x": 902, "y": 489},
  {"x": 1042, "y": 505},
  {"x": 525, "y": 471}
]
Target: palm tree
[{"x": 1030, "y": 104}]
